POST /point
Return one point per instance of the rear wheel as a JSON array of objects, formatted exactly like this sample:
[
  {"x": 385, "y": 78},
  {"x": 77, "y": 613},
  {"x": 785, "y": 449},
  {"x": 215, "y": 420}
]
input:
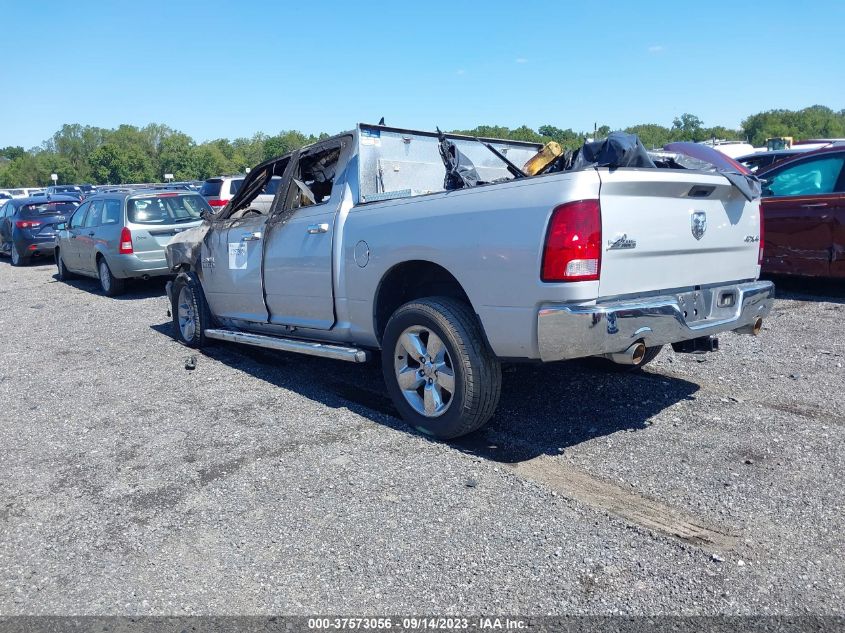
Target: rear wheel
[
  {"x": 439, "y": 370},
  {"x": 111, "y": 285},
  {"x": 191, "y": 315},
  {"x": 64, "y": 274},
  {"x": 17, "y": 258}
]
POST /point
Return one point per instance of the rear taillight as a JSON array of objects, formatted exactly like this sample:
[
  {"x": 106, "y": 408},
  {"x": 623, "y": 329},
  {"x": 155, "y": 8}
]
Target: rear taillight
[
  {"x": 573, "y": 243},
  {"x": 762, "y": 239},
  {"x": 125, "y": 242},
  {"x": 26, "y": 224},
  {"x": 217, "y": 203}
]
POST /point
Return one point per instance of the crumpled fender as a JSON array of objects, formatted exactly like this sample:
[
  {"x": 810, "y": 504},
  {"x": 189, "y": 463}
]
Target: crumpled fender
[{"x": 184, "y": 248}]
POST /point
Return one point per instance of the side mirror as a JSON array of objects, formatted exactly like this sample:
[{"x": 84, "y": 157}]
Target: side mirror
[
  {"x": 61, "y": 226},
  {"x": 206, "y": 215}
]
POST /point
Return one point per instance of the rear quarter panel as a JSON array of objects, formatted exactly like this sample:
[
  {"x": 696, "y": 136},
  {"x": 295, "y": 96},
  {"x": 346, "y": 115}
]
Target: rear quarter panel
[{"x": 489, "y": 238}]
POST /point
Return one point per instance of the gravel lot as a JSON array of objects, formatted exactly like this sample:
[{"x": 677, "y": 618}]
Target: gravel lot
[{"x": 268, "y": 483}]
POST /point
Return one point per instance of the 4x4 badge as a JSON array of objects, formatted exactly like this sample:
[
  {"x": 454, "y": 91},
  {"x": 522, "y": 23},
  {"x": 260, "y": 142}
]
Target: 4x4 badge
[{"x": 699, "y": 224}]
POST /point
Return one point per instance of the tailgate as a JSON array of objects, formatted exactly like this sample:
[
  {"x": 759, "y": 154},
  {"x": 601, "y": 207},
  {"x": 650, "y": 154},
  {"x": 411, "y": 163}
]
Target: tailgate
[
  {"x": 154, "y": 239},
  {"x": 665, "y": 229}
]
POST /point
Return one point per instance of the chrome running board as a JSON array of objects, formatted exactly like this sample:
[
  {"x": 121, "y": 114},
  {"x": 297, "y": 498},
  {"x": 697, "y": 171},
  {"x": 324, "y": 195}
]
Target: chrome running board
[{"x": 325, "y": 350}]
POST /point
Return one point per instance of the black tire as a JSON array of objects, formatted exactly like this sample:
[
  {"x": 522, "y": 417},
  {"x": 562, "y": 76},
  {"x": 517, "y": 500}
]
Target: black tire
[
  {"x": 476, "y": 370},
  {"x": 63, "y": 273},
  {"x": 17, "y": 258},
  {"x": 608, "y": 365},
  {"x": 111, "y": 285},
  {"x": 195, "y": 302}
]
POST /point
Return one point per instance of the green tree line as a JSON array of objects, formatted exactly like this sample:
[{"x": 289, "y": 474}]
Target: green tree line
[{"x": 86, "y": 154}]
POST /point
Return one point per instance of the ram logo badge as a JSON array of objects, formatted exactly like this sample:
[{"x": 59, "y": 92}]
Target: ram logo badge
[
  {"x": 620, "y": 243},
  {"x": 699, "y": 224}
]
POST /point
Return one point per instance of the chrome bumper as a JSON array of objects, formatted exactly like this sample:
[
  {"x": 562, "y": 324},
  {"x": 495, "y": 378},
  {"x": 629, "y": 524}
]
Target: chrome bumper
[{"x": 576, "y": 331}]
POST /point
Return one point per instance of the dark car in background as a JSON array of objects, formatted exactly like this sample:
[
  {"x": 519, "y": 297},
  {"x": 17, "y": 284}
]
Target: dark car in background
[
  {"x": 88, "y": 190},
  {"x": 28, "y": 226},
  {"x": 803, "y": 209},
  {"x": 73, "y": 190},
  {"x": 121, "y": 235},
  {"x": 760, "y": 161}
]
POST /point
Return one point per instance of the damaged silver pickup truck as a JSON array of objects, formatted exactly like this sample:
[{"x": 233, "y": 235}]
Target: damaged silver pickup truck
[{"x": 445, "y": 257}]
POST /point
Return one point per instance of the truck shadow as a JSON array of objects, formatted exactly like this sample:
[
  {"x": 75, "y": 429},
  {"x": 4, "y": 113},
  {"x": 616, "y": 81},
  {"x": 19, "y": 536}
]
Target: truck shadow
[{"x": 543, "y": 410}]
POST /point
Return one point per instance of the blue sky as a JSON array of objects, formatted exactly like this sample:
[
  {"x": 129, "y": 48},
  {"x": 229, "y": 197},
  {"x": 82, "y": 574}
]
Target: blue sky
[{"x": 227, "y": 69}]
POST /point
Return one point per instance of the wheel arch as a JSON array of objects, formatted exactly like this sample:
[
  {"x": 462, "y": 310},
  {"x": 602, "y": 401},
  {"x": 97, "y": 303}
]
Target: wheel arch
[{"x": 409, "y": 280}]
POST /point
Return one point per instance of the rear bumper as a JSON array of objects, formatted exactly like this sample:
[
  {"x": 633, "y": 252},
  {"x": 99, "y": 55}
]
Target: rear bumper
[
  {"x": 576, "y": 331},
  {"x": 126, "y": 266},
  {"x": 37, "y": 245}
]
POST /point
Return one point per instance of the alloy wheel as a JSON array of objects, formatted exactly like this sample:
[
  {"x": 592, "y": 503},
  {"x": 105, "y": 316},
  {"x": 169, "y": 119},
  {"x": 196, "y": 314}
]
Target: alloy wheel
[{"x": 424, "y": 371}]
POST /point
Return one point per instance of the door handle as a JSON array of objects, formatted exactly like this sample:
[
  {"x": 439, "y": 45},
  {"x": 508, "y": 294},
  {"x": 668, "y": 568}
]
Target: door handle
[
  {"x": 251, "y": 237},
  {"x": 91, "y": 234},
  {"x": 318, "y": 228},
  {"x": 818, "y": 205}
]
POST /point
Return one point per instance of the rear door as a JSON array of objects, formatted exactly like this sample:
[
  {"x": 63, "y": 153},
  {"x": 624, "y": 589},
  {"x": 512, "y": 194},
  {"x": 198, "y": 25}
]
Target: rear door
[
  {"x": 837, "y": 257},
  {"x": 668, "y": 229},
  {"x": 799, "y": 208},
  {"x": 86, "y": 240},
  {"x": 298, "y": 281},
  {"x": 69, "y": 245}
]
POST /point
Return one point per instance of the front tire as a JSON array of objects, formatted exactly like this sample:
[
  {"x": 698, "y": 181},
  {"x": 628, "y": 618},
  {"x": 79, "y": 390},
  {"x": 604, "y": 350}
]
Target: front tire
[
  {"x": 111, "y": 285},
  {"x": 191, "y": 316},
  {"x": 439, "y": 370}
]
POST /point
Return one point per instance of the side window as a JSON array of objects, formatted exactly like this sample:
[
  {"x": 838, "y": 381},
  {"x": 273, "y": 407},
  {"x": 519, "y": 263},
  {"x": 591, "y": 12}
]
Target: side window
[
  {"x": 79, "y": 216},
  {"x": 6, "y": 210},
  {"x": 235, "y": 185},
  {"x": 95, "y": 215},
  {"x": 111, "y": 215},
  {"x": 313, "y": 178},
  {"x": 811, "y": 177}
]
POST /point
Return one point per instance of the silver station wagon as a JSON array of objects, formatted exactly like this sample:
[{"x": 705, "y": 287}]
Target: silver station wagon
[{"x": 118, "y": 236}]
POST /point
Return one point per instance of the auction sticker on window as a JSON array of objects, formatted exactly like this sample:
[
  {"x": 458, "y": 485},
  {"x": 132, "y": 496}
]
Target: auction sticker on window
[{"x": 237, "y": 255}]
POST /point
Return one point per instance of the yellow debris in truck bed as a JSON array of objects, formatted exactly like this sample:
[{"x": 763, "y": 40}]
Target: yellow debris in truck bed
[{"x": 542, "y": 159}]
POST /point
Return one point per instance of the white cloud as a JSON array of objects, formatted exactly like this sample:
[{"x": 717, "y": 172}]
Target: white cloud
[
  {"x": 656, "y": 49},
  {"x": 460, "y": 71},
  {"x": 521, "y": 60}
]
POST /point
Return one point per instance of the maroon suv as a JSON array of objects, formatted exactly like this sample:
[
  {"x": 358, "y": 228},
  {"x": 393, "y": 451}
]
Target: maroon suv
[{"x": 804, "y": 215}]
